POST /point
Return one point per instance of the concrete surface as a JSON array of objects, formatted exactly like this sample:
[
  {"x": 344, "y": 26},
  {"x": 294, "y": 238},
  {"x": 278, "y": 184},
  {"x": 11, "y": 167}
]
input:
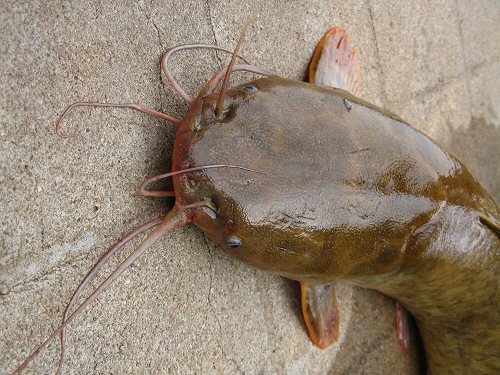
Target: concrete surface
[{"x": 185, "y": 307}]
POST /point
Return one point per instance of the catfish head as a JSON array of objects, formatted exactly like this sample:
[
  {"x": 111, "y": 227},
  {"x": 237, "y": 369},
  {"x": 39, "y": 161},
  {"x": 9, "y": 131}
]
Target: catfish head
[{"x": 321, "y": 184}]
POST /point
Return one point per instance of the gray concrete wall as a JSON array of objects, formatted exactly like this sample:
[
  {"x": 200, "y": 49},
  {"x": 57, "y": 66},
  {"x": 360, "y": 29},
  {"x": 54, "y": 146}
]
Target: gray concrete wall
[{"x": 185, "y": 307}]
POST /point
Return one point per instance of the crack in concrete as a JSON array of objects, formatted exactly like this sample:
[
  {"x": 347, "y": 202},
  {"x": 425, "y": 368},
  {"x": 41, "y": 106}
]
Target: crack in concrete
[
  {"x": 486, "y": 63},
  {"x": 6, "y": 290},
  {"x": 210, "y": 265},
  {"x": 431, "y": 89},
  {"x": 40, "y": 278},
  {"x": 211, "y": 279},
  {"x": 161, "y": 49},
  {"x": 212, "y": 28},
  {"x": 467, "y": 71},
  {"x": 379, "y": 65},
  {"x": 439, "y": 86},
  {"x": 223, "y": 352},
  {"x": 211, "y": 307}
]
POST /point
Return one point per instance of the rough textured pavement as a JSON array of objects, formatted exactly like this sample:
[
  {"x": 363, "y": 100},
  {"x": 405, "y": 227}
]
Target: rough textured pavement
[{"x": 185, "y": 307}]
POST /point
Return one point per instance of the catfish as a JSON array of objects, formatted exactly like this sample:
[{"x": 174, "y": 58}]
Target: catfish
[{"x": 310, "y": 182}]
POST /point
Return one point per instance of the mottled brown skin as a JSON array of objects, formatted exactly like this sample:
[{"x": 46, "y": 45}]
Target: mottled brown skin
[{"x": 353, "y": 193}]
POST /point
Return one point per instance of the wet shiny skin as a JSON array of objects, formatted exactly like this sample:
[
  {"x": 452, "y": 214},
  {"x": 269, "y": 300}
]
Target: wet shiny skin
[{"x": 353, "y": 193}]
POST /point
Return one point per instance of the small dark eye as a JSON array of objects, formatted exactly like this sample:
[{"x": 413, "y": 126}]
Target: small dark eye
[
  {"x": 233, "y": 241},
  {"x": 250, "y": 88}
]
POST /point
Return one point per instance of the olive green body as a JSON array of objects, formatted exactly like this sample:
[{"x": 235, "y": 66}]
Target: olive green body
[{"x": 349, "y": 192}]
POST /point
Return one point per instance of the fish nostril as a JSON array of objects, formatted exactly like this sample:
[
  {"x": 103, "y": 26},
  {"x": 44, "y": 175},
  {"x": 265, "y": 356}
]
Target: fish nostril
[
  {"x": 225, "y": 112},
  {"x": 209, "y": 208},
  {"x": 234, "y": 242},
  {"x": 210, "y": 212},
  {"x": 209, "y": 203},
  {"x": 250, "y": 88}
]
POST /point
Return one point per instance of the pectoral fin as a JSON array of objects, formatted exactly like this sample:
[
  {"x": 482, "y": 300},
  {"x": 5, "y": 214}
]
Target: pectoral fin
[
  {"x": 334, "y": 64},
  {"x": 320, "y": 308},
  {"x": 403, "y": 327}
]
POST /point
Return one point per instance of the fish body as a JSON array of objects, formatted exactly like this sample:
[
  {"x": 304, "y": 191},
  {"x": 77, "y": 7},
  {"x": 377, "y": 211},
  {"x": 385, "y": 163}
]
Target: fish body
[{"x": 350, "y": 192}]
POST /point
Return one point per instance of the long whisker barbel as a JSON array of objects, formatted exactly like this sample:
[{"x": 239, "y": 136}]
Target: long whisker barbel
[{"x": 145, "y": 192}]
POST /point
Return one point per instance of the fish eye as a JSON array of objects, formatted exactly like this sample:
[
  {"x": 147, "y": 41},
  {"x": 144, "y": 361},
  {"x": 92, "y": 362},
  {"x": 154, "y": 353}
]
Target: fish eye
[
  {"x": 250, "y": 88},
  {"x": 234, "y": 242}
]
